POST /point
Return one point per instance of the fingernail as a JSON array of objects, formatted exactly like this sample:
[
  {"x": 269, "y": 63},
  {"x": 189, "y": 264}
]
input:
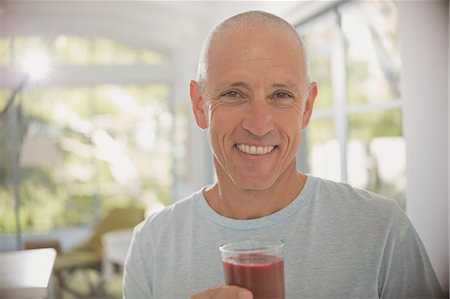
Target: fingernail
[{"x": 245, "y": 294}]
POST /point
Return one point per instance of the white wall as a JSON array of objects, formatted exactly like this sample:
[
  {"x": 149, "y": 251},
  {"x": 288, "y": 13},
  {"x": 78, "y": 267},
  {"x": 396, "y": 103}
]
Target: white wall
[{"x": 424, "y": 38}]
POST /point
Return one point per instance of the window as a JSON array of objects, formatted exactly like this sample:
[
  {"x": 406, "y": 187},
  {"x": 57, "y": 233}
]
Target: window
[
  {"x": 85, "y": 148},
  {"x": 355, "y": 134}
]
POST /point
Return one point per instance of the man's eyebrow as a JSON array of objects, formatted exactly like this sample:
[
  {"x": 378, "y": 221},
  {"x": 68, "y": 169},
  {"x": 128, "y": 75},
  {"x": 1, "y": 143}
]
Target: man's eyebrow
[
  {"x": 236, "y": 84},
  {"x": 289, "y": 85}
]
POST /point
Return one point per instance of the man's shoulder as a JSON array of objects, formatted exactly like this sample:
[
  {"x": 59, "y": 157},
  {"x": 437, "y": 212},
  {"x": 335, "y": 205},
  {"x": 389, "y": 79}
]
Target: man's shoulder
[
  {"x": 173, "y": 215},
  {"x": 358, "y": 207},
  {"x": 345, "y": 194},
  {"x": 180, "y": 206}
]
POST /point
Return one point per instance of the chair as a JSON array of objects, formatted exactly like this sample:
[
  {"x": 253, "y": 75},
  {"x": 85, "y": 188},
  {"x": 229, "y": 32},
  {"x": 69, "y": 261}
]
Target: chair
[{"x": 88, "y": 256}]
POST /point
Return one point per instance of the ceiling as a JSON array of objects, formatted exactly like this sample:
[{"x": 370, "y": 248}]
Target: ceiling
[
  {"x": 159, "y": 25},
  {"x": 174, "y": 27}
]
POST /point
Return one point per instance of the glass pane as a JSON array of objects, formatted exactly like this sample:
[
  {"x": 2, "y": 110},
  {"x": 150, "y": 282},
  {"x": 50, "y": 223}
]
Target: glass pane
[
  {"x": 4, "y": 95},
  {"x": 79, "y": 50},
  {"x": 317, "y": 38},
  {"x": 323, "y": 149},
  {"x": 107, "y": 51},
  {"x": 7, "y": 150},
  {"x": 373, "y": 62},
  {"x": 22, "y": 45},
  {"x": 376, "y": 153},
  {"x": 369, "y": 125},
  {"x": 152, "y": 57},
  {"x": 5, "y": 52},
  {"x": 88, "y": 149},
  {"x": 373, "y": 68},
  {"x": 74, "y": 50},
  {"x": 320, "y": 144}
]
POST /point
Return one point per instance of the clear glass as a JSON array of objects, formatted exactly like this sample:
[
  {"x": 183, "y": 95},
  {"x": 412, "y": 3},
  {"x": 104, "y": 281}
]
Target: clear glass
[
  {"x": 376, "y": 154},
  {"x": 87, "y": 150},
  {"x": 82, "y": 50},
  {"x": 373, "y": 60},
  {"x": 317, "y": 37},
  {"x": 375, "y": 151},
  {"x": 256, "y": 265},
  {"x": 319, "y": 145},
  {"x": 323, "y": 148}
]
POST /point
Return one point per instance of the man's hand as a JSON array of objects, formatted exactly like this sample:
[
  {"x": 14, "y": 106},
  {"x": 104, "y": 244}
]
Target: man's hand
[{"x": 224, "y": 292}]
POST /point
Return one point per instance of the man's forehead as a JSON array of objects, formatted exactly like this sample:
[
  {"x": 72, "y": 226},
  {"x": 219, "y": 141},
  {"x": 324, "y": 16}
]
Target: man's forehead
[
  {"x": 254, "y": 41},
  {"x": 247, "y": 45},
  {"x": 256, "y": 57},
  {"x": 240, "y": 42},
  {"x": 255, "y": 30}
]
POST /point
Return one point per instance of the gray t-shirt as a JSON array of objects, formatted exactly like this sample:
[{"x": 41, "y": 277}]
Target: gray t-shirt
[{"x": 340, "y": 242}]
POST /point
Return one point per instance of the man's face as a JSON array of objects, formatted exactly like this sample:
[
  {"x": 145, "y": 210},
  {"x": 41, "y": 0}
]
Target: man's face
[{"x": 255, "y": 92}]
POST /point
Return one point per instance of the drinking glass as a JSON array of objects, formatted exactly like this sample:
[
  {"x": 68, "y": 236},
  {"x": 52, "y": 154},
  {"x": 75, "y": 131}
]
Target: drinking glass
[{"x": 256, "y": 265}]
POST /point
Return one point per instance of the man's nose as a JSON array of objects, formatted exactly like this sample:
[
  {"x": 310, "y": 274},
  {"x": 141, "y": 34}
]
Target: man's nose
[{"x": 258, "y": 119}]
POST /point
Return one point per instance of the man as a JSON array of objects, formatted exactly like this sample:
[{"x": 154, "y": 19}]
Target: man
[{"x": 254, "y": 96}]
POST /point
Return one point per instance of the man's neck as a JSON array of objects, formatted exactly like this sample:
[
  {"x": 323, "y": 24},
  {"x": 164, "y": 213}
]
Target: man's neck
[{"x": 234, "y": 202}]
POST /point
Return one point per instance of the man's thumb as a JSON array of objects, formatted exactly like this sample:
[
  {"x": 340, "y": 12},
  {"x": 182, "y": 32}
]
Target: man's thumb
[{"x": 245, "y": 294}]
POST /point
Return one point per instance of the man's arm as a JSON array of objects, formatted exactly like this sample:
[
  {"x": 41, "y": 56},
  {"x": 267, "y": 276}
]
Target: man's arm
[
  {"x": 135, "y": 277},
  {"x": 406, "y": 271}
]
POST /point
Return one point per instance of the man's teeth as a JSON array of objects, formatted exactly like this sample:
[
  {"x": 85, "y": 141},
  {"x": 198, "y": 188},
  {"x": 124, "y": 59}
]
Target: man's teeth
[{"x": 255, "y": 150}]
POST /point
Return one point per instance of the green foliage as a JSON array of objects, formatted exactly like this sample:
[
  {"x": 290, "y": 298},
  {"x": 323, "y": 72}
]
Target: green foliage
[
  {"x": 40, "y": 208},
  {"x": 7, "y": 218},
  {"x": 75, "y": 50},
  {"x": 80, "y": 50},
  {"x": 357, "y": 73},
  {"x": 320, "y": 130},
  {"x": 81, "y": 186},
  {"x": 324, "y": 96},
  {"x": 367, "y": 126},
  {"x": 5, "y": 55},
  {"x": 8, "y": 152}
]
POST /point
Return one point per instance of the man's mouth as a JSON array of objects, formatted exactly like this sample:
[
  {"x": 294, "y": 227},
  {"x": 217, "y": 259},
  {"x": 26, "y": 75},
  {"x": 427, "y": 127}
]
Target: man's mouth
[{"x": 255, "y": 150}]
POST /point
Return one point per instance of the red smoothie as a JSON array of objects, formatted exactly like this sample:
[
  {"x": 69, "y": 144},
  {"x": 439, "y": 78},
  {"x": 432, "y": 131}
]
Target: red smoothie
[{"x": 260, "y": 273}]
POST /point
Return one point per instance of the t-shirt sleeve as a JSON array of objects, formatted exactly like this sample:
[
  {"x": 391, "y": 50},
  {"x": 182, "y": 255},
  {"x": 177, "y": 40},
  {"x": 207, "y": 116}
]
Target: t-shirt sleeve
[
  {"x": 135, "y": 276},
  {"x": 406, "y": 271}
]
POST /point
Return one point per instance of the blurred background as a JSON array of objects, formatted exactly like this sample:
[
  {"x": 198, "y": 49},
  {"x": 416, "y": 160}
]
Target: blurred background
[{"x": 95, "y": 117}]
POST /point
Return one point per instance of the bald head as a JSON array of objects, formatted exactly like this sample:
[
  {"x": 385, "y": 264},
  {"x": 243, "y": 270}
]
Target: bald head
[{"x": 261, "y": 22}]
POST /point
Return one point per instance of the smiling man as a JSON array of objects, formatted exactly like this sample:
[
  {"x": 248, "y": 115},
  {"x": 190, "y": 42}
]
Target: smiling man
[{"x": 254, "y": 96}]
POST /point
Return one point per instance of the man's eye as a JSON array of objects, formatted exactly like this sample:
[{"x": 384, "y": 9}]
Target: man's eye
[
  {"x": 282, "y": 99},
  {"x": 231, "y": 94},
  {"x": 282, "y": 95},
  {"x": 233, "y": 97}
]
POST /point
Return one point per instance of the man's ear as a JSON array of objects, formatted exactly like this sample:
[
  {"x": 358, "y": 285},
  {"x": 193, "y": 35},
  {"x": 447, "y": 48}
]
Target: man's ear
[
  {"x": 198, "y": 107},
  {"x": 309, "y": 104}
]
